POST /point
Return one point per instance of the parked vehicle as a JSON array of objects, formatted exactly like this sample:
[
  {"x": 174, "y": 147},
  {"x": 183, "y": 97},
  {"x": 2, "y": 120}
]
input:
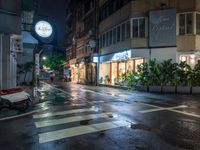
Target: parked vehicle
[{"x": 14, "y": 99}]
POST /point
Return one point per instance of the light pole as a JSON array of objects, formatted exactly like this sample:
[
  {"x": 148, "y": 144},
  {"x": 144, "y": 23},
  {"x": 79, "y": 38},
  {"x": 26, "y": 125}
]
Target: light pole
[{"x": 37, "y": 66}]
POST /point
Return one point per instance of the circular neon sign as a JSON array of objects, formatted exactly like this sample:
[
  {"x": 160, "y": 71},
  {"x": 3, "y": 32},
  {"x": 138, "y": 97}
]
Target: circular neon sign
[{"x": 43, "y": 29}]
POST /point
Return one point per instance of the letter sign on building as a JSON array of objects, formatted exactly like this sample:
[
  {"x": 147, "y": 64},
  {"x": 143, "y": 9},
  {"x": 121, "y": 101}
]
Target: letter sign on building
[
  {"x": 43, "y": 29},
  {"x": 162, "y": 28}
]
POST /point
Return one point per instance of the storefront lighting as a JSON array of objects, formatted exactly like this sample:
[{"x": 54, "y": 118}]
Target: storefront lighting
[
  {"x": 192, "y": 61},
  {"x": 192, "y": 56}
]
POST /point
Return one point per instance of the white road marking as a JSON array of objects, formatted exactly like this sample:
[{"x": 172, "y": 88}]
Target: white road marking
[
  {"x": 21, "y": 115},
  {"x": 172, "y": 109},
  {"x": 76, "y": 131},
  {"x": 56, "y": 88},
  {"x": 162, "y": 108},
  {"x": 65, "y": 120},
  {"x": 186, "y": 113},
  {"x": 50, "y": 114},
  {"x": 95, "y": 102},
  {"x": 78, "y": 104}
]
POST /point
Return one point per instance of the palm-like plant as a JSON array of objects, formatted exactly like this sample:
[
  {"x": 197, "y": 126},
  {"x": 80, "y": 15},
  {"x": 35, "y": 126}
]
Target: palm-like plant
[
  {"x": 154, "y": 72},
  {"x": 168, "y": 73},
  {"x": 183, "y": 74}
]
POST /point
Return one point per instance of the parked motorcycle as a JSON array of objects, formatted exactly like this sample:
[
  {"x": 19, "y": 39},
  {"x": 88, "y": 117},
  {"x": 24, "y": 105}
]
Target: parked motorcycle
[{"x": 15, "y": 99}]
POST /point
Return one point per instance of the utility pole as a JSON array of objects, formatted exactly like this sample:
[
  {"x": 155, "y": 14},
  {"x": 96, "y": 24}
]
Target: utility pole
[{"x": 37, "y": 66}]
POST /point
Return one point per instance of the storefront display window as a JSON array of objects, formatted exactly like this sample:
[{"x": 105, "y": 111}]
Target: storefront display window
[
  {"x": 104, "y": 73},
  {"x": 130, "y": 65},
  {"x": 114, "y": 72},
  {"x": 138, "y": 62}
]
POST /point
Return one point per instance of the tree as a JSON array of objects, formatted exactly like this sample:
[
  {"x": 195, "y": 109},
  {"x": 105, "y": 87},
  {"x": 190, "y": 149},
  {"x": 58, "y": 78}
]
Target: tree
[{"x": 54, "y": 62}]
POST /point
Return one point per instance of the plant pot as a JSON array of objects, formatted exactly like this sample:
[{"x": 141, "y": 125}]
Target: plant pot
[
  {"x": 156, "y": 89},
  {"x": 183, "y": 89},
  {"x": 141, "y": 88},
  {"x": 168, "y": 89},
  {"x": 196, "y": 90}
]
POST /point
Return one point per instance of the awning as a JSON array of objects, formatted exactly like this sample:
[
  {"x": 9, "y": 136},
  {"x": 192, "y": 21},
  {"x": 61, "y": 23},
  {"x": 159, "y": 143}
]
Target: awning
[{"x": 28, "y": 38}]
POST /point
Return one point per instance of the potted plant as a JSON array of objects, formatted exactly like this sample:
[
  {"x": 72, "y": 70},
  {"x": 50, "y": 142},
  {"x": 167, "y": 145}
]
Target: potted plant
[
  {"x": 143, "y": 77},
  {"x": 168, "y": 76},
  {"x": 183, "y": 78},
  {"x": 154, "y": 76},
  {"x": 195, "y": 78},
  {"x": 107, "y": 79}
]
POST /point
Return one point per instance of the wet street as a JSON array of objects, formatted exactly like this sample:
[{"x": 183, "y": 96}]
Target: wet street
[{"x": 79, "y": 117}]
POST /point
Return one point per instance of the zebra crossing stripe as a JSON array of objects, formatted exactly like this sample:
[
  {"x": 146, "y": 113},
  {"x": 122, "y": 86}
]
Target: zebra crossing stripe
[
  {"x": 80, "y": 130},
  {"x": 65, "y": 120},
  {"x": 51, "y": 114}
]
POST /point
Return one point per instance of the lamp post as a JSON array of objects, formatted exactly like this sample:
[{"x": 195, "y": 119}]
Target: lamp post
[{"x": 37, "y": 66}]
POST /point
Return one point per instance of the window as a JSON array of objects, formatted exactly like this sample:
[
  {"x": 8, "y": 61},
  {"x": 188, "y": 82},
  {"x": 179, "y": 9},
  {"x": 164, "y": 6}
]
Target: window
[
  {"x": 118, "y": 33},
  {"x": 198, "y": 23},
  {"x": 123, "y": 31},
  {"x": 107, "y": 39},
  {"x": 114, "y": 35},
  {"x": 186, "y": 23},
  {"x": 127, "y": 29},
  {"x": 104, "y": 40},
  {"x": 139, "y": 28},
  {"x": 111, "y": 37}
]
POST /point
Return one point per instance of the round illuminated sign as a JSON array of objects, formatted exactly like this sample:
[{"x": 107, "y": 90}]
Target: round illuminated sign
[{"x": 43, "y": 29}]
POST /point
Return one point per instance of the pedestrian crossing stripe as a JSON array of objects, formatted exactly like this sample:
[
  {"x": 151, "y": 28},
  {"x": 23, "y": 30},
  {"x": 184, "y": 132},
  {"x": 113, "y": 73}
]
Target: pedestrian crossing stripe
[
  {"x": 65, "y": 120},
  {"x": 80, "y": 130},
  {"x": 51, "y": 114}
]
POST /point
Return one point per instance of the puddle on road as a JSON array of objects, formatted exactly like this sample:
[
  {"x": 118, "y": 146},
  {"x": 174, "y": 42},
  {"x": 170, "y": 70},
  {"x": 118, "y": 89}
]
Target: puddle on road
[
  {"x": 140, "y": 127},
  {"x": 85, "y": 122}
]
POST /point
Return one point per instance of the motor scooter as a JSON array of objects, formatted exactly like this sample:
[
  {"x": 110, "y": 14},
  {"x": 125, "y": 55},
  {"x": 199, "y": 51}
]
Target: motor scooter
[{"x": 14, "y": 98}]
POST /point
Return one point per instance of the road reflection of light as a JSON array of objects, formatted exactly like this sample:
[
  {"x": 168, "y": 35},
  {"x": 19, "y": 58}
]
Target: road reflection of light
[
  {"x": 44, "y": 106},
  {"x": 96, "y": 108}
]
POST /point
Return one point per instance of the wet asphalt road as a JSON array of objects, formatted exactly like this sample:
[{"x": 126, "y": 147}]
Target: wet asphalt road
[{"x": 78, "y": 117}]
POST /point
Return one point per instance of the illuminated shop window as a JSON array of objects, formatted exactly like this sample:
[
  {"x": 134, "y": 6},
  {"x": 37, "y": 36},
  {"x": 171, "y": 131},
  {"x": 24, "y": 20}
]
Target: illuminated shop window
[
  {"x": 138, "y": 62},
  {"x": 183, "y": 58}
]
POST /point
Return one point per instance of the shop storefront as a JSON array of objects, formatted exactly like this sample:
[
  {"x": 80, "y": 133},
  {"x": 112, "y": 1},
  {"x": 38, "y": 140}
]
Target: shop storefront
[
  {"x": 84, "y": 71},
  {"x": 114, "y": 66}
]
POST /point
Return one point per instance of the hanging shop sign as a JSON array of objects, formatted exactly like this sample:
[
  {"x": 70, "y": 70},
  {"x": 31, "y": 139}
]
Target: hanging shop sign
[{"x": 43, "y": 29}]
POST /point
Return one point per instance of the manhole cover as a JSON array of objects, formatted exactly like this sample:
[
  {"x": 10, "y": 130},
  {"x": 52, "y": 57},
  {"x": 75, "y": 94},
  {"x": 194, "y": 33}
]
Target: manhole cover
[{"x": 184, "y": 133}]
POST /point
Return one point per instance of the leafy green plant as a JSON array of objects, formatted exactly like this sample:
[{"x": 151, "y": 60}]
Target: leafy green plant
[
  {"x": 131, "y": 79},
  {"x": 195, "y": 75},
  {"x": 168, "y": 73},
  {"x": 143, "y": 73},
  {"x": 183, "y": 74},
  {"x": 107, "y": 79}
]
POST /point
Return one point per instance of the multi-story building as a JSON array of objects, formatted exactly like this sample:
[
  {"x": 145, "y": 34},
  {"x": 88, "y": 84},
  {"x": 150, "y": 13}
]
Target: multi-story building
[
  {"x": 83, "y": 43},
  {"x": 10, "y": 30},
  {"x": 132, "y": 31}
]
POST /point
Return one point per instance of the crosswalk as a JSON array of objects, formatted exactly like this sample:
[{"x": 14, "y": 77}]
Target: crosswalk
[{"x": 54, "y": 119}]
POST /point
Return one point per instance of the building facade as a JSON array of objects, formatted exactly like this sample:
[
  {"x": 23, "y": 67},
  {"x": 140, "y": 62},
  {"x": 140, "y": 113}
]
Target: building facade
[
  {"x": 133, "y": 31},
  {"x": 10, "y": 30},
  {"x": 82, "y": 43}
]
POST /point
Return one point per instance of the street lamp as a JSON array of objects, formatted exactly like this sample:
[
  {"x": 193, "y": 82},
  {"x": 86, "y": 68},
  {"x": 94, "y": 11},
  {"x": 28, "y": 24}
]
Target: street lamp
[{"x": 44, "y": 57}]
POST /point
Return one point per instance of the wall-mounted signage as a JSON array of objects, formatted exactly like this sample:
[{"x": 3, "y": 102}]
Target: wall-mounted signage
[
  {"x": 43, "y": 29},
  {"x": 162, "y": 28},
  {"x": 95, "y": 59},
  {"x": 122, "y": 55}
]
